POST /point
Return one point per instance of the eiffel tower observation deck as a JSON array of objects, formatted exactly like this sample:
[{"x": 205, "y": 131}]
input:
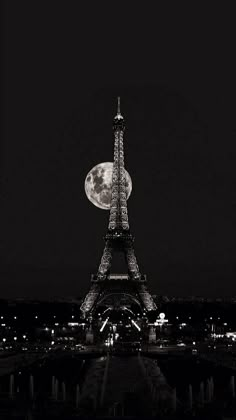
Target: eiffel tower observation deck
[{"x": 118, "y": 239}]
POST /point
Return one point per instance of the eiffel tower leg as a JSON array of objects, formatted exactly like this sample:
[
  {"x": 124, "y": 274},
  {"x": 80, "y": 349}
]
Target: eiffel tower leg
[
  {"x": 133, "y": 268},
  {"x": 96, "y": 288},
  {"x": 105, "y": 264},
  {"x": 90, "y": 299},
  {"x": 146, "y": 298}
]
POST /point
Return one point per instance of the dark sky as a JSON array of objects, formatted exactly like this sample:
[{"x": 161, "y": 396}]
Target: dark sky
[{"x": 174, "y": 68}]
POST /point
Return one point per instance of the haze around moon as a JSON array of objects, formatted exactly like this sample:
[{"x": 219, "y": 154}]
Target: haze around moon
[{"x": 98, "y": 184}]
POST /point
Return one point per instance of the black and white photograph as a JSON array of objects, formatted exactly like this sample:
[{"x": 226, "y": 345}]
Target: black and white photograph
[{"x": 117, "y": 210}]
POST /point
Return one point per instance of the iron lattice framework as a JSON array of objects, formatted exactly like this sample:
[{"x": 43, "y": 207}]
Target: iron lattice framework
[{"x": 118, "y": 239}]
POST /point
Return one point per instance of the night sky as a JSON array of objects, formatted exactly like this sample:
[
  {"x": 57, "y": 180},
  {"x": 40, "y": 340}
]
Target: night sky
[{"x": 63, "y": 66}]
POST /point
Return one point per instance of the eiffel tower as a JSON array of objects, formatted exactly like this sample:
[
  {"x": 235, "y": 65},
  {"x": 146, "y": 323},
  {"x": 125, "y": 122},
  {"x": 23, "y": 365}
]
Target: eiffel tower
[{"x": 118, "y": 238}]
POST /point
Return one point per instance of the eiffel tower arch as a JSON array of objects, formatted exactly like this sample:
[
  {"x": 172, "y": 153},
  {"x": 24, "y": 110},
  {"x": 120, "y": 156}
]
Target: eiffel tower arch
[{"x": 118, "y": 289}]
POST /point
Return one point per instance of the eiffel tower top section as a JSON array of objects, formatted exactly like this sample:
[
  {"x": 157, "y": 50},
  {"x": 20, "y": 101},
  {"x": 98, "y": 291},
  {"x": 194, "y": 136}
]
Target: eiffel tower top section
[
  {"x": 118, "y": 122},
  {"x": 118, "y": 220}
]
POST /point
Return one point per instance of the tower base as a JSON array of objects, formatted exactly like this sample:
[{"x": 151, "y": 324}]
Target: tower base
[{"x": 115, "y": 291}]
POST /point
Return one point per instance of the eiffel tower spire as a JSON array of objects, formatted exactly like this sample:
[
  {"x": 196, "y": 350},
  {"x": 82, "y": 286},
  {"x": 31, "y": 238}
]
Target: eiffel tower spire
[
  {"x": 118, "y": 237},
  {"x": 118, "y": 220},
  {"x": 118, "y": 115}
]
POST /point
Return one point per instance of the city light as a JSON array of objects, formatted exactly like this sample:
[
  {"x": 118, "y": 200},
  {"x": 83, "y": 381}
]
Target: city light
[
  {"x": 161, "y": 320},
  {"x": 231, "y": 335},
  {"x": 104, "y": 324},
  {"x": 136, "y": 325}
]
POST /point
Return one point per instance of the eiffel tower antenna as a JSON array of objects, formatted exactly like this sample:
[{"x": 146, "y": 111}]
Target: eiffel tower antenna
[
  {"x": 118, "y": 115},
  {"x": 118, "y": 106}
]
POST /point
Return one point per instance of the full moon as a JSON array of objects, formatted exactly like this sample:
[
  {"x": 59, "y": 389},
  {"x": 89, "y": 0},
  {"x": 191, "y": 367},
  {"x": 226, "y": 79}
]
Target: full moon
[{"x": 98, "y": 184}]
